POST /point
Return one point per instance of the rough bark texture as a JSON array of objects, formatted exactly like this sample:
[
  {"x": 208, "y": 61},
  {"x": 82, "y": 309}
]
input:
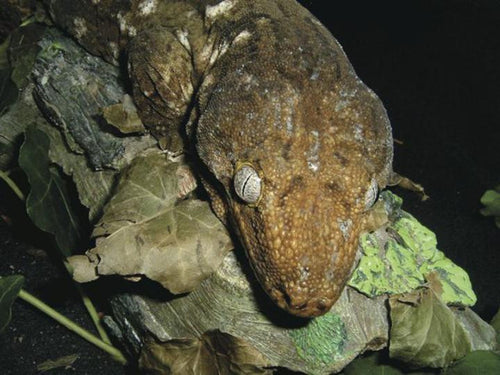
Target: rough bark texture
[{"x": 229, "y": 303}]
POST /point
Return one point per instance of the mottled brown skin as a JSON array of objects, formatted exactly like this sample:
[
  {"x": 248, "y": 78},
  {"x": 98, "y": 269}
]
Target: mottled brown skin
[{"x": 260, "y": 82}]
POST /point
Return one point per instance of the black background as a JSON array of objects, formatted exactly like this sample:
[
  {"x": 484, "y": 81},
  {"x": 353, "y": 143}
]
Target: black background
[{"x": 436, "y": 67}]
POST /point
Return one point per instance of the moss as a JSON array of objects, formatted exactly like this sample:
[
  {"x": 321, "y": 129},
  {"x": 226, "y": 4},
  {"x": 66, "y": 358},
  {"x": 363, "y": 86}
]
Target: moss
[
  {"x": 397, "y": 259},
  {"x": 321, "y": 341}
]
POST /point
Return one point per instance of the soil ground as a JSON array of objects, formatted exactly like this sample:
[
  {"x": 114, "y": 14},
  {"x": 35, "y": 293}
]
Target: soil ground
[{"x": 436, "y": 67}]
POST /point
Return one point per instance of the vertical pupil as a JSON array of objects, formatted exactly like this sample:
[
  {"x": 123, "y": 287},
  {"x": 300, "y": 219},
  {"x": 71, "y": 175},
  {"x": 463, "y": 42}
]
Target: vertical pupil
[
  {"x": 244, "y": 187},
  {"x": 247, "y": 184}
]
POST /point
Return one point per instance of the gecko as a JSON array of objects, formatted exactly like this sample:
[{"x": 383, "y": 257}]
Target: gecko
[{"x": 291, "y": 146}]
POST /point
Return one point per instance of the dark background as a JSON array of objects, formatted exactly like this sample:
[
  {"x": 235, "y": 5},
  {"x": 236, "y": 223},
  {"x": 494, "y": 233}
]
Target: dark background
[{"x": 436, "y": 67}]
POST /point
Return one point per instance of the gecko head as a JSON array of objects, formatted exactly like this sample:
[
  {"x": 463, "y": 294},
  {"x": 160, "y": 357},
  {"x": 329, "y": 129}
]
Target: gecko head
[
  {"x": 300, "y": 229},
  {"x": 298, "y": 208},
  {"x": 294, "y": 170}
]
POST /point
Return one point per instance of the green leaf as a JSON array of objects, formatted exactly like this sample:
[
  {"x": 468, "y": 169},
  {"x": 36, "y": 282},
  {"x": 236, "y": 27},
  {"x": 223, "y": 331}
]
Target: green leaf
[
  {"x": 495, "y": 322},
  {"x": 491, "y": 201},
  {"x": 94, "y": 187},
  {"x": 12, "y": 126},
  {"x": 370, "y": 364},
  {"x": 4, "y": 58},
  {"x": 50, "y": 204},
  {"x": 8, "y": 90},
  {"x": 424, "y": 331},
  {"x": 480, "y": 362},
  {"x": 9, "y": 289},
  {"x": 480, "y": 334},
  {"x": 22, "y": 52}
]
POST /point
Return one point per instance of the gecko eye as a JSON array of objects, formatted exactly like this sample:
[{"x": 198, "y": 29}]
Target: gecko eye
[
  {"x": 247, "y": 184},
  {"x": 371, "y": 194}
]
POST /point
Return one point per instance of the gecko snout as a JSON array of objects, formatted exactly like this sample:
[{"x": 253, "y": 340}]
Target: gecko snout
[{"x": 304, "y": 306}]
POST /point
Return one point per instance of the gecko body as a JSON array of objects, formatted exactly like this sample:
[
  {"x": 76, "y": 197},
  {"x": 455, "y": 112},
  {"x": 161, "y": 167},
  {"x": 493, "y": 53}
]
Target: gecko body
[{"x": 291, "y": 145}]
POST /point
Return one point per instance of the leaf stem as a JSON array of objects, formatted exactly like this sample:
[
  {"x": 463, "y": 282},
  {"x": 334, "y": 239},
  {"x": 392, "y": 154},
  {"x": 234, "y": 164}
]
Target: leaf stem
[
  {"x": 89, "y": 306},
  {"x": 86, "y": 300},
  {"x": 93, "y": 314},
  {"x": 72, "y": 326},
  {"x": 5, "y": 176}
]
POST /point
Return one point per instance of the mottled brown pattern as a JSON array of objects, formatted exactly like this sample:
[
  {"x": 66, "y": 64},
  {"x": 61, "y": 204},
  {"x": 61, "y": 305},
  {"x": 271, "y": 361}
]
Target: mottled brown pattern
[{"x": 263, "y": 83}]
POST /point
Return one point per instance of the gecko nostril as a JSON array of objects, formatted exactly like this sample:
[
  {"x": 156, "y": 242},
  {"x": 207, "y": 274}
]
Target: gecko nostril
[
  {"x": 287, "y": 298},
  {"x": 293, "y": 302},
  {"x": 322, "y": 304},
  {"x": 302, "y": 306}
]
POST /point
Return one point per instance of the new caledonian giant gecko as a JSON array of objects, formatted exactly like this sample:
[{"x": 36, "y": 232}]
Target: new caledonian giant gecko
[{"x": 291, "y": 145}]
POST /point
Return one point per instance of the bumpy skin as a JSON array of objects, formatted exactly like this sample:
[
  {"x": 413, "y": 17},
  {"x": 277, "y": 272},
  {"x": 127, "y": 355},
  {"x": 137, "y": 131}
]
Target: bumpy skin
[{"x": 264, "y": 83}]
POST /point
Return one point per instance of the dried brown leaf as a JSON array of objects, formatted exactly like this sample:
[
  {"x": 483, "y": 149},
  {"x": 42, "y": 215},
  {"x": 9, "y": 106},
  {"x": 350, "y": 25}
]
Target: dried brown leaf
[
  {"x": 147, "y": 229},
  {"x": 215, "y": 353}
]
